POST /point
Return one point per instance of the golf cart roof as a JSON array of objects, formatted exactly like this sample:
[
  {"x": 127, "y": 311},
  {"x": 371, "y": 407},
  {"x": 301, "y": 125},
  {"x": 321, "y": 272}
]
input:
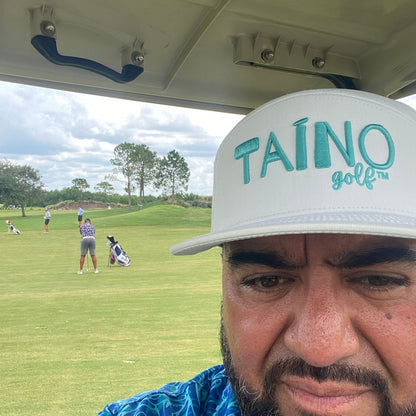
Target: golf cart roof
[{"x": 225, "y": 55}]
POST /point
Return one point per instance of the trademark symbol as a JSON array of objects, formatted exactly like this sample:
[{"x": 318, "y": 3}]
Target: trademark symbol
[{"x": 382, "y": 175}]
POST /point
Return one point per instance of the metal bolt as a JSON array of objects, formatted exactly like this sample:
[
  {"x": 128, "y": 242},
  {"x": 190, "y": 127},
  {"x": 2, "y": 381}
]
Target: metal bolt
[
  {"x": 318, "y": 62},
  {"x": 137, "y": 57},
  {"x": 47, "y": 28},
  {"x": 267, "y": 55}
]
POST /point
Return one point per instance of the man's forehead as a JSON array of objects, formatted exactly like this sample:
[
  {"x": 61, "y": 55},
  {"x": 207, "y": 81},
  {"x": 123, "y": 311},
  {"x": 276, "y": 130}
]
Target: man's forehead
[{"x": 295, "y": 245}]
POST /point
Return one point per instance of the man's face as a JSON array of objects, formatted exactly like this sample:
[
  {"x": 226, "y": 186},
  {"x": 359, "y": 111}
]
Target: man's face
[{"x": 321, "y": 324}]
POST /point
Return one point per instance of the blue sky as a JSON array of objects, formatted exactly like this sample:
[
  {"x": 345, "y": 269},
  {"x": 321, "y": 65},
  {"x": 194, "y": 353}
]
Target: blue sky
[{"x": 68, "y": 135}]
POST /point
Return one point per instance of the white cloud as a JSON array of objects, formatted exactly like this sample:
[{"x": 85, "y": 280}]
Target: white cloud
[{"x": 201, "y": 174}]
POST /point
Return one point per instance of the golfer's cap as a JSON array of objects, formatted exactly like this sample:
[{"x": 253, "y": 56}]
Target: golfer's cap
[{"x": 319, "y": 161}]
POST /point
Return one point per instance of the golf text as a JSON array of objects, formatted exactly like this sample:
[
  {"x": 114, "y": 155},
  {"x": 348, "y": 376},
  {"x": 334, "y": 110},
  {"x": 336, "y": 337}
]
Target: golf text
[{"x": 360, "y": 174}]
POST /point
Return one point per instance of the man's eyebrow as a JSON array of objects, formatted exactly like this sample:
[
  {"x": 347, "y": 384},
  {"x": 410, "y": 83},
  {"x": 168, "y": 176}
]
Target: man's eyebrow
[
  {"x": 240, "y": 258},
  {"x": 379, "y": 255}
]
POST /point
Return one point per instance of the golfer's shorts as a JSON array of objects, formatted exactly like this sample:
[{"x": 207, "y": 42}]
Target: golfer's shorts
[
  {"x": 88, "y": 244},
  {"x": 79, "y": 218},
  {"x": 47, "y": 221}
]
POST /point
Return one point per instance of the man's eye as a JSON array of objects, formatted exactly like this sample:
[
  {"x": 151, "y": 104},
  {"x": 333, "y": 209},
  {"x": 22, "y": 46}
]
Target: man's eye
[
  {"x": 383, "y": 281},
  {"x": 265, "y": 282},
  {"x": 379, "y": 281},
  {"x": 380, "y": 285}
]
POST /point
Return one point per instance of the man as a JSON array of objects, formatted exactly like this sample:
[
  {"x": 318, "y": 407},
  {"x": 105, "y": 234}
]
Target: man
[
  {"x": 315, "y": 209},
  {"x": 80, "y": 213},
  {"x": 47, "y": 218},
  {"x": 87, "y": 231}
]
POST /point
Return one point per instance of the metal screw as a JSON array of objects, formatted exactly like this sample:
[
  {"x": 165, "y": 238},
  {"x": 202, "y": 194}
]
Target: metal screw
[
  {"x": 137, "y": 57},
  {"x": 318, "y": 62},
  {"x": 47, "y": 28},
  {"x": 267, "y": 55}
]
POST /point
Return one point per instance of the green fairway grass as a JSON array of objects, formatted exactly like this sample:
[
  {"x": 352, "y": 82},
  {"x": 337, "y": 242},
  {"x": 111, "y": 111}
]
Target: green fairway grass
[{"x": 71, "y": 343}]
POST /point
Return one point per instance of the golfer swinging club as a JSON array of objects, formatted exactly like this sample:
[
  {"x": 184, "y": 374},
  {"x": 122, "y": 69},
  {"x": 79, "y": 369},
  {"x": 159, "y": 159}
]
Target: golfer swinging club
[{"x": 87, "y": 231}]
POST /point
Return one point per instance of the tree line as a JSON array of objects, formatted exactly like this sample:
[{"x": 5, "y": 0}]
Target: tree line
[{"x": 135, "y": 165}]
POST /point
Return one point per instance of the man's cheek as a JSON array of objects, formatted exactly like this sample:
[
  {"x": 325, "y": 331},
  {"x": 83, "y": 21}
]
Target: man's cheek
[{"x": 247, "y": 354}]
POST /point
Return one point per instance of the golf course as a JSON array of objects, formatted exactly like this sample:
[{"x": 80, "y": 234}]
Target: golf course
[{"x": 72, "y": 343}]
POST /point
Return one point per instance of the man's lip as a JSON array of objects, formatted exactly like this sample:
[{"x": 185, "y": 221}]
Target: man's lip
[
  {"x": 328, "y": 397},
  {"x": 325, "y": 388}
]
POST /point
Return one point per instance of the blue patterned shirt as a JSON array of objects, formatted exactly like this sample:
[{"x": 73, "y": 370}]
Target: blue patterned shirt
[
  {"x": 208, "y": 394},
  {"x": 87, "y": 230}
]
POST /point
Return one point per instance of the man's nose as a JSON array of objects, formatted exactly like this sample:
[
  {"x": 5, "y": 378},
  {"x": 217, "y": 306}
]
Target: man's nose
[{"x": 321, "y": 330}]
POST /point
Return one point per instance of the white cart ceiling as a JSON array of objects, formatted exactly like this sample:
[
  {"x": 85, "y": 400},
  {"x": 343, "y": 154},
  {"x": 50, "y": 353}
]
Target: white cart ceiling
[{"x": 226, "y": 55}]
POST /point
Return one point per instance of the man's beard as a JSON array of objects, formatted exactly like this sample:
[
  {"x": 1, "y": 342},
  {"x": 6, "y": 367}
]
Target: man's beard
[{"x": 263, "y": 403}]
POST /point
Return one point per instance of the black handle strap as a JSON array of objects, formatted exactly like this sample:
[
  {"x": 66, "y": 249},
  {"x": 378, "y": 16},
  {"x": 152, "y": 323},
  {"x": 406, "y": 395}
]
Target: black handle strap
[{"x": 46, "y": 46}]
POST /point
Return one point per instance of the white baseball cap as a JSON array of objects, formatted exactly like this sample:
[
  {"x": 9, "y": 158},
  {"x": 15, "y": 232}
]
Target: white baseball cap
[{"x": 318, "y": 161}]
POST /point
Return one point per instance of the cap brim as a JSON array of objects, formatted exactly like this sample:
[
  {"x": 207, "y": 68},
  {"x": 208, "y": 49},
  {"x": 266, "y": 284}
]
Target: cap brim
[{"x": 369, "y": 223}]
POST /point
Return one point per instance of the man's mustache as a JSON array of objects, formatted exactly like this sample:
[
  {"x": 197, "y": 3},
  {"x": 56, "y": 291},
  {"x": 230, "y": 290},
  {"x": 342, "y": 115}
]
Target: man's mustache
[{"x": 342, "y": 373}]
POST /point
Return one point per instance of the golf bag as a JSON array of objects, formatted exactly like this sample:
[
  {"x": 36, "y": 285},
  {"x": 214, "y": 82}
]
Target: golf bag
[
  {"x": 117, "y": 254},
  {"x": 11, "y": 227}
]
